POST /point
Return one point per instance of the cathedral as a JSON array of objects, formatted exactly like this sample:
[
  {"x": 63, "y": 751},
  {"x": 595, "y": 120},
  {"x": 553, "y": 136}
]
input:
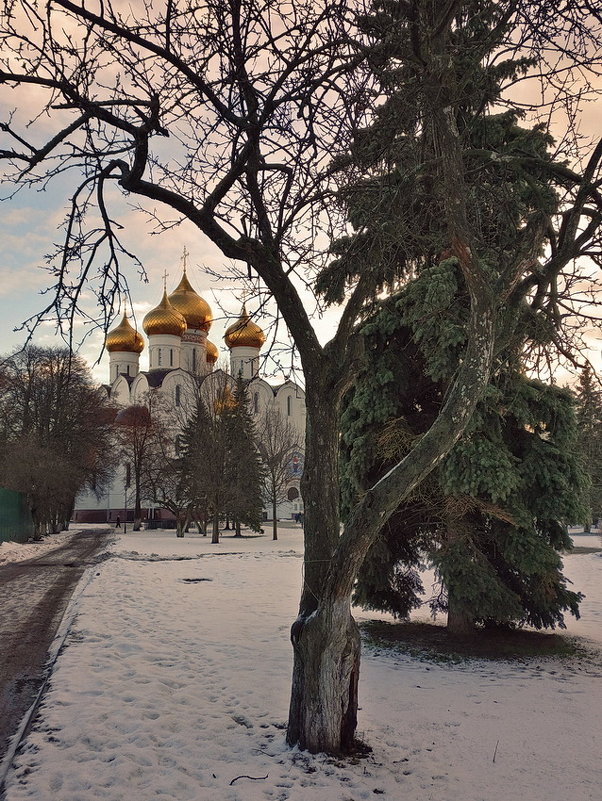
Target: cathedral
[{"x": 181, "y": 359}]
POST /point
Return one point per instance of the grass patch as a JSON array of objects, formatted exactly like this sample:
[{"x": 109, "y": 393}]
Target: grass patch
[{"x": 432, "y": 643}]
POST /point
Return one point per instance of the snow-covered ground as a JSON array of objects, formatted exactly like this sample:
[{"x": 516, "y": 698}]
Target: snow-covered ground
[{"x": 175, "y": 681}]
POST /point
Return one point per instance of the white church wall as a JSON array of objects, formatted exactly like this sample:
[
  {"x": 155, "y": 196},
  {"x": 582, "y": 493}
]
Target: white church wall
[
  {"x": 120, "y": 391},
  {"x": 139, "y": 389}
]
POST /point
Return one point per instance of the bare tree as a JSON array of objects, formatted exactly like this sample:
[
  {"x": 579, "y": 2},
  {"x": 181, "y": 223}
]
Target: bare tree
[
  {"x": 57, "y": 432},
  {"x": 162, "y": 477},
  {"x": 277, "y": 441},
  {"x": 257, "y": 97},
  {"x": 136, "y": 429}
]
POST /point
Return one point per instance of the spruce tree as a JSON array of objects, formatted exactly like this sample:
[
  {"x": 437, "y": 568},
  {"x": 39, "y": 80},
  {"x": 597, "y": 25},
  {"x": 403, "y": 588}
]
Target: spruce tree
[
  {"x": 493, "y": 517},
  {"x": 244, "y": 470},
  {"x": 417, "y": 341},
  {"x": 196, "y": 443},
  {"x": 205, "y": 457},
  {"x": 589, "y": 416}
]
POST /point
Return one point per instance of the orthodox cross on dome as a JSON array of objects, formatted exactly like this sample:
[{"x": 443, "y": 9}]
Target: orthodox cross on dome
[
  {"x": 185, "y": 255},
  {"x": 165, "y": 274}
]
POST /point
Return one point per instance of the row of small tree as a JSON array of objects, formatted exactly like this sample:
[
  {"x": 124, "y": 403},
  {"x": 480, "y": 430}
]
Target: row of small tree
[{"x": 589, "y": 417}]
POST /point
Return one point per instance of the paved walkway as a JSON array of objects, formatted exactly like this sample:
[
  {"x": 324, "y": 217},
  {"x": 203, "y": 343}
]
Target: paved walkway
[{"x": 33, "y": 598}]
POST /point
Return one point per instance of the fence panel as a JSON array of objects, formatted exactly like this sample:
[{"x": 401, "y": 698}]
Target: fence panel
[{"x": 16, "y": 524}]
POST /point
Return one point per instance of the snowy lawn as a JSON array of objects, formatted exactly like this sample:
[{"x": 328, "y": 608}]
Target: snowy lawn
[{"x": 175, "y": 682}]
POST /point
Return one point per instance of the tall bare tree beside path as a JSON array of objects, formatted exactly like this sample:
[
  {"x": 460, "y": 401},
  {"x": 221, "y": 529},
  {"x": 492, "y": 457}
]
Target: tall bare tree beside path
[
  {"x": 136, "y": 429},
  {"x": 259, "y": 98},
  {"x": 277, "y": 440}
]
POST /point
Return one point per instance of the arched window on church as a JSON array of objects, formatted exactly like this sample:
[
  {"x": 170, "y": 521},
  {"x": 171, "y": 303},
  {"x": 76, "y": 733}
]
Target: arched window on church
[
  {"x": 177, "y": 445},
  {"x": 289, "y": 405},
  {"x": 194, "y": 360},
  {"x": 159, "y": 357},
  {"x": 255, "y": 402},
  {"x": 127, "y": 369},
  {"x": 178, "y": 394},
  {"x": 171, "y": 357}
]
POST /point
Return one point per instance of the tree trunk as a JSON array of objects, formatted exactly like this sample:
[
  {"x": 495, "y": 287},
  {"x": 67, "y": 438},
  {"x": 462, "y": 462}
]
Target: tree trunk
[
  {"x": 237, "y": 528},
  {"x": 325, "y": 677},
  {"x": 215, "y": 532},
  {"x": 180, "y": 525},
  {"x": 274, "y": 519},
  {"x": 460, "y": 623},
  {"x": 323, "y": 706},
  {"x": 460, "y": 618}
]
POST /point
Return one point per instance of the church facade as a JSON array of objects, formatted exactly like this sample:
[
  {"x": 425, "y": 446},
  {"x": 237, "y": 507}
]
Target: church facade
[{"x": 182, "y": 362}]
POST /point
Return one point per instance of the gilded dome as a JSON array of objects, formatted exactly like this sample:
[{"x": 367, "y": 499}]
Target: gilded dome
[
  {"x": 124, "y": 338},
  {"x": 164, "y": 319},
  {"x": 212, "y": 352},
  {"x": 196, "y": 311},
  {"x": 244, "y": 333}
]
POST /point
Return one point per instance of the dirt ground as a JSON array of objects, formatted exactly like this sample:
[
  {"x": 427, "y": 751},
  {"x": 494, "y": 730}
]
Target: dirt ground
[{"x": 33, "y": 598}]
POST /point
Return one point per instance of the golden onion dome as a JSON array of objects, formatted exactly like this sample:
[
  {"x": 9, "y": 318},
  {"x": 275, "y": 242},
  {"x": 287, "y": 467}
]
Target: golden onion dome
[
  {"x": 212, "y": 352},
  {"x": 191, "y": 305},
  {"x": 124, "y": 338},
  {"x": 244, "y": 332},
  {"x": 164, "y": 319}
]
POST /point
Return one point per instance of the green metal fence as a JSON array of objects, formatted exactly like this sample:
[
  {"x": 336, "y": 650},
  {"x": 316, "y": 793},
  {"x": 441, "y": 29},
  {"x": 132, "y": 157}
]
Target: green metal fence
[{"x": 16, "y": 524}]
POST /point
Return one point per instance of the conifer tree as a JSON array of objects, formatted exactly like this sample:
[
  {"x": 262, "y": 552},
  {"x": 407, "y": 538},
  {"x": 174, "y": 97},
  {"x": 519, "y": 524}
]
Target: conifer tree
[
  {"x": 589, "y": 416},
  {"x": 401, "y": 230},
  {"x": 493, "y": 517},
  {"x": 244, "y": 470},
  {"x": 197, "y": 451},
  {"x": 205, "y": 460}
]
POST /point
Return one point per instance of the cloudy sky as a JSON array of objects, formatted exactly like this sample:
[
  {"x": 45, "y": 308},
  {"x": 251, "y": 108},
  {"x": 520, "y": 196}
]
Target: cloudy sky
[{"x": 30, "y": 227}]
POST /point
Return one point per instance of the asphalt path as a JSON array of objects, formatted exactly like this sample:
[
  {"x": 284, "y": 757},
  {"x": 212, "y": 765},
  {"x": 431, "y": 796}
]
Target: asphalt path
[{"x": 33, "y": 598}]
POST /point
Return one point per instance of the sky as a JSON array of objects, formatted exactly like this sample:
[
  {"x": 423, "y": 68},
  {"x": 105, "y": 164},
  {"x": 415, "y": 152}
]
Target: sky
[{"x": 30, "y": 227}]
